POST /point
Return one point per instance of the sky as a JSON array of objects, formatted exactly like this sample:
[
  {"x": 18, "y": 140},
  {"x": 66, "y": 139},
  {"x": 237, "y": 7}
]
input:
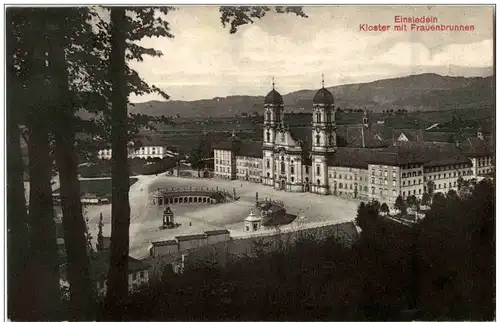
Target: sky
[{"x": 204, "y": 60}]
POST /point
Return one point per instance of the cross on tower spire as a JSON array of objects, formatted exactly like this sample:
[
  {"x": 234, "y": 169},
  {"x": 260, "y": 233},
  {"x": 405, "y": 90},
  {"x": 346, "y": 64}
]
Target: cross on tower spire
[
  {"x": 273, "y": 82},
  {"x": 323, "y": 80}
]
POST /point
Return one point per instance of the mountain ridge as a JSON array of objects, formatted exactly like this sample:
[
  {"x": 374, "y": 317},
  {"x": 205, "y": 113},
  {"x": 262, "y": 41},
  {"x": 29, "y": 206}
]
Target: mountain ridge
[{"x": 425, "y": 92}]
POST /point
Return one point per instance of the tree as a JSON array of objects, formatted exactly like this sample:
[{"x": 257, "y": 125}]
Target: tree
[
  {"x": 100, "y": 238},
  {"x": 38, "y": 99},
  {"x": 17, "y": 217},
  {"x": 426, "y": 199},
  {"x": 384, "y": 208},
  {"x": 69, "y": 26},
  {"x": 367, "y": 215},
  {"x": 400, "y": 205},
  {"x": 412, "y": 201},
  {"x": 430, "y": 187},
  {"x": 117, "y": 291}
]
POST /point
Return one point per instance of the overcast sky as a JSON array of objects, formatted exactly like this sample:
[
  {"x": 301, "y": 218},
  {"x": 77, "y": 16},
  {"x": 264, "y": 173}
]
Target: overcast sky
[{"x": 205, "y": 61}]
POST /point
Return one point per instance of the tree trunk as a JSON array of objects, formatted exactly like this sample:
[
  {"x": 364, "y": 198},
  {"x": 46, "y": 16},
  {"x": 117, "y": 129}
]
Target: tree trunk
[
  {"x": 120, "y": 208},
  {"x": 78, "y": 270},
  {"x": 17, "y": 217},
  {"x": 43, "y": 272}
]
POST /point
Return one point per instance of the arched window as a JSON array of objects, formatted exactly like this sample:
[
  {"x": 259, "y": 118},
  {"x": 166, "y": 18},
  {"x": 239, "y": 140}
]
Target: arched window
[
  {"x": 268, "y": 115},
  {"x": 268, "y": 175},
  {"x": 282, "y": 166},
  {"x": 318, "y": 182},
  {"x": 292, "y": 169},
  {"x": 318, "y": 139},
  {"x": 340, "y": 185},
  {"x": 318, "y": 117},
  {"x": 268, "y": 163},
  {"x": 318, "y": 171},
  {"x": 268, "y": 136},
  {"x": 373, "y": 190}
]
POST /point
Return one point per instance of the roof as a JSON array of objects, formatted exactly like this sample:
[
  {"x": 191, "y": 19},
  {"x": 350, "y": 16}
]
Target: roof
[
  {"x": 232, "y": 143},
  {"x": 358, "y": 136},
  {"x": 217, "y": 232},
  {"x": 274, "y": 98},
  {"x": 100, "y": 265},
  {"x": 323, "y": 96},
  {"x": 351, "y": 157},
  {"x": 475, "y": 147},
  {"x": 250, "y": 148},
  {"x": 190, "y": 237},
  {"x": 164, "y": 242}
]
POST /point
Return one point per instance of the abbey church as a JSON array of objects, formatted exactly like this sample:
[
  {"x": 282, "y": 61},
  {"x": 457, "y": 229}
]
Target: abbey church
[{"x": 372, "y": 163}]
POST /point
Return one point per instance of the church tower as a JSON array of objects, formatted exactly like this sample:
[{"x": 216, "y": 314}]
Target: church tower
[
  {"x": 324, "y": 141},
  {"x": 273, "y": 121}
]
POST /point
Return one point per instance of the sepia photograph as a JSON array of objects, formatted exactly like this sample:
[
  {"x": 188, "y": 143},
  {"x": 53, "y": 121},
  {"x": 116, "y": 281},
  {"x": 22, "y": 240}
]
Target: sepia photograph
[{"x": 250, "y": 162}]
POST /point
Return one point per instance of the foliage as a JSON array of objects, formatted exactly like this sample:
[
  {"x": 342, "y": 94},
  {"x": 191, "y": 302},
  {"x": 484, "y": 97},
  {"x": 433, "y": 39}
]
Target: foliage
[
  {"x": 384, "y": 208},
  {"x": 367, "y": 215},
  {"x": 412, "y": 201},
  {"x": 242, "y": 15},
  {"x": 400, "y": 205},
  {"x": 452, "y": 263},
  {"x": 426, "y": 199}
]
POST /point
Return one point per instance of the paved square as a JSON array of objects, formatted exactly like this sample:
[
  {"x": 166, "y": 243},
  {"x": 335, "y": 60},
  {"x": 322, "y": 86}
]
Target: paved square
[{"x": 145, "y": 219}]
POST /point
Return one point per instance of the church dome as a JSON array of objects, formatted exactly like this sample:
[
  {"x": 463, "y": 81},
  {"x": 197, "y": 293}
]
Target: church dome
[
  {"x": 274, "y": 98},
  {"x": 323, "y": 96}
]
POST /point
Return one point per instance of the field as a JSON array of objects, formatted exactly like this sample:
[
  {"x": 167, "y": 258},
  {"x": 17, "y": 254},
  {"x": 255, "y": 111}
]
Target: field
[
  {"x": 146, "y": 219},
  {"x": 98, "y": 187},
  {"x": 184, "y": 132}
]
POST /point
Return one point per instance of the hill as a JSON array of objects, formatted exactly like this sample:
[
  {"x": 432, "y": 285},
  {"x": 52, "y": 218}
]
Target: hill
[{"x": 424, "y": 92}]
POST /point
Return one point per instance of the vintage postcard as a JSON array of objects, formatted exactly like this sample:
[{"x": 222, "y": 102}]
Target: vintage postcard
[{"x": 330, "y": 162}]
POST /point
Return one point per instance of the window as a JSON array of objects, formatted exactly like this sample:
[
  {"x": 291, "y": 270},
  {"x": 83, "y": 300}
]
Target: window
[
  {"x": 318, "y": 170},
  {"x": 268, "y": 136},
  {"x": 385, "y": 182},
  {"x": 393, "y": 193},
  {"x": 268, "y": 163},
  {"x": 419, "y": 181},
  {"x": 394, "y": 174},
  {"x": 340, "y": 185},
  {"x": 404, "y": 182},
  {"x": 134, "y": 276},
  {"x": 403, "y": 193},
  {"x": 307, "y": 170},
  {"x": 292, "y": 178},
  {"x": 318, "y": 182},
  {"x": 439, "y": 186},
  {"x": 373, "y": 180},
  {"x": 340, "y": 176},
  {"x": 385, "y": 173},
  {"x": 317, "y": 139},
  {"x": 292, "y": 169},
  {"x": 254, "y": 226},
  {"x": 248, "y": 228},
  {"x": 350, "y": 186},
  {"x": 335, "y": 175},
  {"x": 403, "y": 175},
  {"x": 419, "y": 191},
  {"x": 268, "y": 114},
  {"x": 380, "y": 173},
  {"x": 268, "y": 175},
  {"x": 445, "y": 185},
  {"x": 414, "y": 181},
  {"x": 318, "y": 117},
  {"x": 282, "y": 167},
  {"x": 393, "y": 183},
  {"x": 356, "y": 177}
]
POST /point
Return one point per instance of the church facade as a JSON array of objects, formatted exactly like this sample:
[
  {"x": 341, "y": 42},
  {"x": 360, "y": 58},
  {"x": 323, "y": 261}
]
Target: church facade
[{"x": 365, "y": 166}]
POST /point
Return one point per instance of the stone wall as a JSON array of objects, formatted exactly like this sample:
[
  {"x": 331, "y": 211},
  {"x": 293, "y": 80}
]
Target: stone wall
[{"x": 223, "y": 252}]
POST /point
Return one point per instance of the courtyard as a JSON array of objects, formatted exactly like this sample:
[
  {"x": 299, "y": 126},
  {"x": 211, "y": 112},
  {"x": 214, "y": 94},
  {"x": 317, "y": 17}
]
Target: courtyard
[{"x": 146, "y": 219}]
